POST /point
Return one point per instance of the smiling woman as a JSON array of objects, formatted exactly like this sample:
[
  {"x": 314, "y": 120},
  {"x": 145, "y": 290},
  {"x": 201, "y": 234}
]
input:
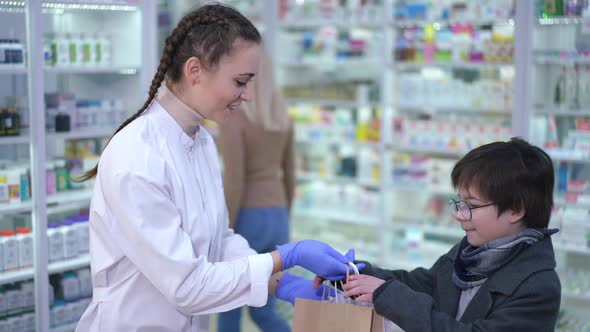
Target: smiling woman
[
  {"x": 214, "y": 92},
  {"x": 159, "y": 238}
]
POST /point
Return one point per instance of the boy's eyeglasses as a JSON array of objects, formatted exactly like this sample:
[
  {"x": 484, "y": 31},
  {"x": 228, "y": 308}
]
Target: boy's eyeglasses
[{"x": 465, "y": 208}]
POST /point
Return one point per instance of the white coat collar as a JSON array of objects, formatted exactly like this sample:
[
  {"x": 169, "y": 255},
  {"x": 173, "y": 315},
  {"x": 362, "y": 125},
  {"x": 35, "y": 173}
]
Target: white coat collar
[
  {"x": 170, "y": 127},
  {"x": 187, "y": 118}
]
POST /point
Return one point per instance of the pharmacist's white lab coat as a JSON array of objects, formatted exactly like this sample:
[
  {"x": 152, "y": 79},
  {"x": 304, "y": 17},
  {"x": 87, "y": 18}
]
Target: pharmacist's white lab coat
[{"x": 162, "y": 255}]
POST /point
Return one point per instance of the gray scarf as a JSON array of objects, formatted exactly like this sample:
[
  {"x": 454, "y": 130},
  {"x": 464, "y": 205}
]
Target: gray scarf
[{"x": 473, "y": 266}]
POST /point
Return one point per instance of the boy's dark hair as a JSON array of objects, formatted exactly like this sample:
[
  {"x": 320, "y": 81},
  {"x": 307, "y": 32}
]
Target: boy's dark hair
[{"x": 514, "y": 175}]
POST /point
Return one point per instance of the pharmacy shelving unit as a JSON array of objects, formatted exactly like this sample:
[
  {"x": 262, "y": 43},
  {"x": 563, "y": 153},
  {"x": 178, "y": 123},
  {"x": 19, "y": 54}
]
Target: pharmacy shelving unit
[
  {"x": 132, "y": 26},
  {"x": 292, "y": 69},
  {"x": 295, "y": 70},
  {"x": 555, "y": 100},
  {"x": 518, "y": 115},
  {"x": 408, "y": 201}
]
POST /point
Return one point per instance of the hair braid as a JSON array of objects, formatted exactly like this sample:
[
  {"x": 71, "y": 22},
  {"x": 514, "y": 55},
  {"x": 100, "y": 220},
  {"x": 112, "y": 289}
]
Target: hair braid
[{"x": 165, "y": 61}]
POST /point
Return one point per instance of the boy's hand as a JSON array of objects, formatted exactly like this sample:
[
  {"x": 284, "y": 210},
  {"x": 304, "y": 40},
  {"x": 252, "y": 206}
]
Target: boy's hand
[{"x": 362, "y": 285}]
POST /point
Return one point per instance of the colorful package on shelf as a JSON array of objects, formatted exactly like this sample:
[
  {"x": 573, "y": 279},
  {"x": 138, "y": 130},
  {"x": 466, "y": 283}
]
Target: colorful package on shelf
[
  {"x": 411, "y": 170},
  {"x": 15, "y": 183},
  {"x": 12, "y": 51},
  {"x": 447, "y": 137},
  {"x": 438, "y": 10},
  {"x": 77, "y": 49},
  {"x": 331, "y": 10},
  {"x": 583, "y": 125},
  {"x": 331, "y": 91}
]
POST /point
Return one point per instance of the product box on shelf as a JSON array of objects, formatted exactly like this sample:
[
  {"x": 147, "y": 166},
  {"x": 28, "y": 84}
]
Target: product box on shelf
[
  {"x": 15, "y": 183},
  {"x": 77, "y": 49},
  {"x": 71, "y": 295},
  {"x": 12, "y": 51},
  {"x": 61, "y": 111}
]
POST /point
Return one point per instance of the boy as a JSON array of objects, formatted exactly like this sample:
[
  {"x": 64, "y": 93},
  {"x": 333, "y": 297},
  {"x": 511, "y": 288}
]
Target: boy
[{"x": 501, "y": 276}]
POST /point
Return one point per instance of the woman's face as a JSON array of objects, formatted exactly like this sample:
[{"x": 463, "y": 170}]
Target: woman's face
[{"x": 220, "y": 91}]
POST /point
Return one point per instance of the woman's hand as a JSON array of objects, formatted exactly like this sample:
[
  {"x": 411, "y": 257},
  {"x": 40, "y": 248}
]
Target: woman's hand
[
  {"x": 350, "y": 255},
  {"x": 273, "y": 283},
  {"x": 291, "y": 287},
  {"x": 363, "y": 286},
  {"x": 315, "y": 256}
]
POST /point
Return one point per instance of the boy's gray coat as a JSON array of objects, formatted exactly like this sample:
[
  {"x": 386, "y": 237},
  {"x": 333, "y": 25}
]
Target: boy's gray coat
[{"x": 524, "y": 295}]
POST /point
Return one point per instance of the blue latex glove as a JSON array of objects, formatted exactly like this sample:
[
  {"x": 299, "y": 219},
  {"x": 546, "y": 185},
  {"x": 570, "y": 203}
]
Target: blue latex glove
[
  {"x": 291, "y": 287},
  {"x": 316, "y": 257},
  {"x": 350, "y": 255}
]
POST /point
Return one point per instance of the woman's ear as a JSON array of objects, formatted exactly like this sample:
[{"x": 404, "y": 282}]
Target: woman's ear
[{"x": 193, "y": 70}]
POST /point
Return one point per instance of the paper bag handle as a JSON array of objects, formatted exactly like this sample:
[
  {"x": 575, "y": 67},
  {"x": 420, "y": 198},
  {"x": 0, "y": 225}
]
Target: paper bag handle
[
  {"x": 354, "y": 268},
  {"x": 327, "y": 283}
]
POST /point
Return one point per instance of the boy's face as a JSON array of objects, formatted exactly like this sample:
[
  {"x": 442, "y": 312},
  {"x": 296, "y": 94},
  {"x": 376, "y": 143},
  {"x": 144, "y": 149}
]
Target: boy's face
[{"x": 485, "y": 224}]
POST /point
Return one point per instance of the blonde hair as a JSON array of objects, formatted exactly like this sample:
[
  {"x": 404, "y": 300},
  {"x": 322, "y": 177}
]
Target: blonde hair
[{"x": 267, "y": 107}]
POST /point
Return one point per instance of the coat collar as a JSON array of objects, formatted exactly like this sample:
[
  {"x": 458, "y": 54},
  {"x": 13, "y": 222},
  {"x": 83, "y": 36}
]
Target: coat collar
[
  {"x": 169, "y": 127},
  {"x": 506, "y": 280},
  {"x": 187, "y": 118}
]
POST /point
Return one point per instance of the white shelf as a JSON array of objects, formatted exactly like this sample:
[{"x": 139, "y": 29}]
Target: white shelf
[
  {"x": 563, "y": 113},
  {"x": 446, "y": 231},
  {"x": 11, "y": 208},
  {"x": 16, "y": 69},
  {"x": 338, "y": 179},
  {"x": 560, "y": 200},
  {"x": 71, "y": 196},
  {"x": 425, "y": 254},
  {"x": 329, "y": 102},
  {"x": 56, "y": 267},
  {"x": 421, "y": 23},
  {"x": 422, "y": 187},
  {"x": 434, "y": 152},
  {"x": 9, "y": 140},
  {"x": 403, "y": 263},
  {"x": 333, "y": 141},
  {"x": 71, "y": 327},
  {"x": 71, "y": 264},
  {"x": 557, "y": 60},
  {"x": 337, "y": 63},
  {"x": 14, "y": 276},
  {"x": 560, "y": 20},
  {"x": 322, "y": 214},
  {"x": 66, "y": 197},
  {"x": 83, "y": 133},
  {"x": 577, "y": 297},
  {"x": 560, "y": 155},
  {"x": 462, "y": 110},
  {"x": 320, "y": 23},
  {"x": 118, "y": 70},
  {"x": 572, "y": 248},
  {"x": 453, "y": 65},
  {"x": 572, "y": 159}
]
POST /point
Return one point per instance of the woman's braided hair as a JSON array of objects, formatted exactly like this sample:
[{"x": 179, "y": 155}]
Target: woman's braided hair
[{"x": 207, "y": 33}]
